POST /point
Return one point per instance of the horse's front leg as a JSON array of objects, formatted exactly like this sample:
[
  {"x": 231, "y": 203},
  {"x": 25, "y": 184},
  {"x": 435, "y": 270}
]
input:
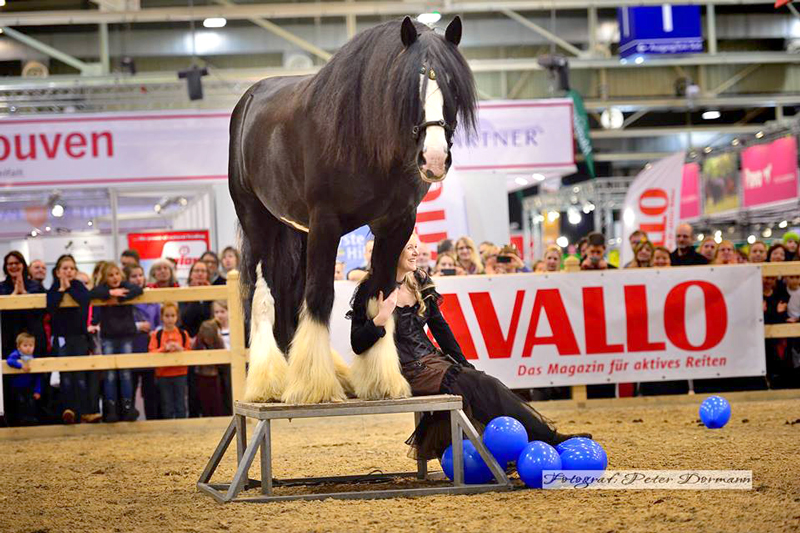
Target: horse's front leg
[
  {"x": 375, "y": 374},
  {"x": 313, "y": 375}
]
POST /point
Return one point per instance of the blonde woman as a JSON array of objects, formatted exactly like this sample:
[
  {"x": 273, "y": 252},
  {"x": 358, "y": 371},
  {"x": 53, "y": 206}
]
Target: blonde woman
[
  {"x": 642, "y": 255},
  {"x": 726, "y": 254},
  {"x": 162, "y": 275},
  {"x": 446, "y": 265},
  {"x": 468, "y": 257},
  {"x": 552, "y": 258},
  {"x": 708, "y": 248},
  {"x": 429, "y": 369}
]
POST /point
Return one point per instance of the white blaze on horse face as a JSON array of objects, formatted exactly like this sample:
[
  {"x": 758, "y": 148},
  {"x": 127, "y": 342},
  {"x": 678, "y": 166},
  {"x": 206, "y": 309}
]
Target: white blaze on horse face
[{"x": 434, "y": 150}]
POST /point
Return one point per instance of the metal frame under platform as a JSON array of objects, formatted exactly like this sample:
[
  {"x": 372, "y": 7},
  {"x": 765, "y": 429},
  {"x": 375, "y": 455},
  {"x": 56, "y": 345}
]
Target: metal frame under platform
[{"x": 262, "y": 440}]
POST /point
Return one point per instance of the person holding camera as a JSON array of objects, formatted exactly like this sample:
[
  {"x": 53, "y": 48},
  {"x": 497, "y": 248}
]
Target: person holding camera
[
  {"x": 507, "y": 261},
  {"x": 595, "y": 253},
  {"x": 446, "y": 265}
]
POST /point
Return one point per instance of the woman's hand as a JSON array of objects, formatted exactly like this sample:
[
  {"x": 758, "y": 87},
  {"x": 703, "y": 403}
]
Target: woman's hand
[
  {"x": 143, "y": 326},
  {"x": 781, "y": 307},
  {"x": 64, "y": 284},
  {"x": 385, "y": 308},
  {"x": 119, "y": 292},
  {"x": 19, "y": 285}
]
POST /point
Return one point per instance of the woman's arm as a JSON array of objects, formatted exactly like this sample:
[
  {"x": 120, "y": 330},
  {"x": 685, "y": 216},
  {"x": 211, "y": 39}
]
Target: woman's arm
[
  {"x": 133, "y": 291},
  {"x": 79, "y": 293},
  {"x": 364, "y": 333},
  {"x": 54, "y": 297},
  {"x": 101, "y": 292},
  {"x": 444, "y": 335}
]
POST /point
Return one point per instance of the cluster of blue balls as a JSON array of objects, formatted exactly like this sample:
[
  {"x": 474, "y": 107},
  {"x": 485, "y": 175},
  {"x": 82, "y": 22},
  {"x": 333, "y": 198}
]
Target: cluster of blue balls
[{"x": 507, "y": 440}]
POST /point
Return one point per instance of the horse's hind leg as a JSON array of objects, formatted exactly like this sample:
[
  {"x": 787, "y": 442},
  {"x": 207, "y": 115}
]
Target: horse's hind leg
[
  {"x": 375, "y": 374},
  {"x": 312, "y": 376}
]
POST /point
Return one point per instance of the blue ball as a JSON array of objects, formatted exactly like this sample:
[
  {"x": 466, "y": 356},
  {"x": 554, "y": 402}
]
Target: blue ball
[
  {"x": 476, "y": 471},
  {"x": 536, "y": 457},
  {"x": 580, "y": 453},
  {"x": 505, "y": 437},
  {"x": 715, "y": 411}
]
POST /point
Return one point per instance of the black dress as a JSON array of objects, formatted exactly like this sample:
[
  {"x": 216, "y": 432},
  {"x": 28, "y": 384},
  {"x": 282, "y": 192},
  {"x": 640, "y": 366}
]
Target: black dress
[{"x": 443, "y": 370}]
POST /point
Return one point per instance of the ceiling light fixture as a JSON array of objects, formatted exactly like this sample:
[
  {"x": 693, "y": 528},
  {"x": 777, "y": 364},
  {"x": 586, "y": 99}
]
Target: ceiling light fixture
[{"x": 214, "y": 22}]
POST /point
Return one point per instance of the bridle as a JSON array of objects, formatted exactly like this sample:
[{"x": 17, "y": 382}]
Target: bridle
[{"x": 449, "y": 128}]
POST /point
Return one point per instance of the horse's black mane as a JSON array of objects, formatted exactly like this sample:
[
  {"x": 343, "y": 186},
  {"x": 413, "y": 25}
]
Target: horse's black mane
[{"x": 367, "y": 97}]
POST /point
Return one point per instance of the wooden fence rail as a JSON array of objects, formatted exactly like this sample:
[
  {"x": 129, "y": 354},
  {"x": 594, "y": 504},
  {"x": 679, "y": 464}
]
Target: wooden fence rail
[{"x": 236, "y": 356}]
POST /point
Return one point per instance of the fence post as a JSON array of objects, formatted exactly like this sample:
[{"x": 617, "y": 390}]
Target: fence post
[
  {"x": 236, "y": 319},
  {"x": 572, "y": 264}
]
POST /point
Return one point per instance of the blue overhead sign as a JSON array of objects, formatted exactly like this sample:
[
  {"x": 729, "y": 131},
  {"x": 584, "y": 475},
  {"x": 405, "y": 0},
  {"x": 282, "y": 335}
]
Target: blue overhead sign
[{"x": 655, "y": 30}]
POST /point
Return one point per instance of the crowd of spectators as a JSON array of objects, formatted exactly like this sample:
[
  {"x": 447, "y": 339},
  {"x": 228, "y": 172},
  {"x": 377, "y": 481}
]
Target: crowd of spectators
[
  {"x": 178, "y": 392},
  {"x": 110, "y": 395}
]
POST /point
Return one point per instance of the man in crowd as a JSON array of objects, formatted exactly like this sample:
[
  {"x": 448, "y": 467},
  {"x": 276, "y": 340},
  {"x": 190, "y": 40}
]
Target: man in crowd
[
  {"x": 424, "y": 259},
  {"x": 357, "y": 274},
  {"x": 129, "y": 258},
  {"x": 685, "y": 254},
  {"x": 38, "y": 270},
  {"x": 595, "y": 253}
]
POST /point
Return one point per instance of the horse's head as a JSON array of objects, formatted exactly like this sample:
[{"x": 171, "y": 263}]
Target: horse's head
[{"x": 446, "y": 91}]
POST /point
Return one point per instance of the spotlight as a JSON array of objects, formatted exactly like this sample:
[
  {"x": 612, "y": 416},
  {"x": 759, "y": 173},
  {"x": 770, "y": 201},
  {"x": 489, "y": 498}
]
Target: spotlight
[
  {"x": 214, "y": 22},
  {"x": 519, "y": 180},
  {"x": 639, "y": 60},
  {"x": 562, "y": 241},
  {"x": 538, "y": 177},
  {"x": 429, "y": 18},
  {"x": 700, "y": 237},
  {"x": 574, "y": 217},
  {"x": 767, "y": 233},
  {"x": 707, "y": 149},
  {"x": 184, "y": 202},
  {"x": 588, "y": 208},
  {"x": 57, "y": 210},
  {"x": 90, "y": 223},
  {"x": 735, "y": 142},
  {"x": 47, "y": 228},
  {"x": 751, "y": 239},
  {"x": 628, "y": 216},
  {"x": 759, "y": 134},
  {"x": 34, "y": 233},
  {"x": 783, "y": 224},
  {"x": 552, "y": 216},
  {"x": 711, "y": 115},
  {"x": 157, "y": 208}
]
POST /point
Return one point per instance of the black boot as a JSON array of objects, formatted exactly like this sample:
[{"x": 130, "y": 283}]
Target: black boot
[
  {"x": 129, "y": 412},
  {"x": 558, "y": 438},
  {"x": 110, "y": 411}
]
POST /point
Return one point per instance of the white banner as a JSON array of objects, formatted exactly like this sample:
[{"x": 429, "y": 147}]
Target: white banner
[
  {"x": 614, "y": 326},
  {"x": 652, "y": 204},
  {"x": 106, "y": 148},
  {"x": 514, "y": 135}
]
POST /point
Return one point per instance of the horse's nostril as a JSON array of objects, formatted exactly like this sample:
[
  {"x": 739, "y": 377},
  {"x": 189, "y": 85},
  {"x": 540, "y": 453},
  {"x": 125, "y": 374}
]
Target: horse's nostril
[{"x": 430, "y": 174}]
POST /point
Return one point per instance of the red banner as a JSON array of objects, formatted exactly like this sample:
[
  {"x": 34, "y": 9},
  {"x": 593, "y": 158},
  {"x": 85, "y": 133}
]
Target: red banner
[{"x": 185, "y": 247}]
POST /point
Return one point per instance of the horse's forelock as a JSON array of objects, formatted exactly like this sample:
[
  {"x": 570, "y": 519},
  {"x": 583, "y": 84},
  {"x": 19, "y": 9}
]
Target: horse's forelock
[{"x": 366, "y": 99}]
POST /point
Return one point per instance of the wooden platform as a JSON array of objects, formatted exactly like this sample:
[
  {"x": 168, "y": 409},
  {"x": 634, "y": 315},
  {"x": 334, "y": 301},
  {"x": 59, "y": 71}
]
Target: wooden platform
[{"x": 261, "y": 440}]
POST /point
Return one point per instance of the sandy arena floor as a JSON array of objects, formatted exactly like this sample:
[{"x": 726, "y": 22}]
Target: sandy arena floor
[{"x": 146, "y": 481}]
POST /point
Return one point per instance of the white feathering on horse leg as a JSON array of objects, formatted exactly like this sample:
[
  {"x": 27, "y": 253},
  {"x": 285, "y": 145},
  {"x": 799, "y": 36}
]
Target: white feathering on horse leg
[
  {"x": 266, "y": 375},
  {"x": 342, "y": 373},
  {"x": 375, "y": 374},
  {"x": 312, "y": 376}
]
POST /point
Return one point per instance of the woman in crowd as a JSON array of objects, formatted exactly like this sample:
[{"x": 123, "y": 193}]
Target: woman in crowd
[
  {"x": 192, "y": 314},
  {"x": 220, "y": 310},
  {"x": 791, "y": 240},
  {"x": 71, "y": 338},
  {"x": 148, "y": 318},
  {"x": 726, "y": 254},
  {"x": 31, "y": 321},
  {"x": 468, "y": 257},
  {"x": 642, "y": 255},
  {"x": 436, "y": 370},
  {"x": 230, "y": 259},
  {"x": 776, "y": 253},
  {"x": 507, "y": 261},
  {"x": 207, "y": 378},
  {"x": 212, "y": 263},
  {"x": 758, "y": 252},
  {"x": 708, "y": 248},
  {"x": 661, "y": 257},
  {"x": 446, "y": 265},
  {"x": 552, "y": 258},
  {"x": 162, "y": 275},
  {"x": 117, "y": 331},
  {"x": 539, "y": 267}
]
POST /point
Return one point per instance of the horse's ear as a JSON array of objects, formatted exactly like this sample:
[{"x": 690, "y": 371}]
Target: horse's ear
[
  {"x": 408, "y": 32},
  {"x": 453, "y": 31}
]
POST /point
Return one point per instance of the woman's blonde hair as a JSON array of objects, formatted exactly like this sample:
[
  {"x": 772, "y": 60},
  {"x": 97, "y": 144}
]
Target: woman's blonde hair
[
  {"x": 442, "y": 255},
  {"x": 554, "y": 248},
  {"x": 413, "y": 284},
  {"x": 107, "y": 269},
  {"x": 643, "y": 244},
  {"x": 475, "y": 257},
  {"x": 717, "y": 260}
]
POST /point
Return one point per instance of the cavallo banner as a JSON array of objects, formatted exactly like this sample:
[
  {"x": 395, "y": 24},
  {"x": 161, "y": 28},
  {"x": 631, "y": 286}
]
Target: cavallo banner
[
  {"x": 769, "y": 172},
  {"x": 653, "y": 203},
  {"x": 601, "y": 327}
]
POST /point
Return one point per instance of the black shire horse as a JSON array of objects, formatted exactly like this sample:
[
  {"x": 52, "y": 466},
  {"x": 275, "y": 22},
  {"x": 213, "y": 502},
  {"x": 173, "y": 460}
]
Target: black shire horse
[{"x": 315, "y": 157}]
